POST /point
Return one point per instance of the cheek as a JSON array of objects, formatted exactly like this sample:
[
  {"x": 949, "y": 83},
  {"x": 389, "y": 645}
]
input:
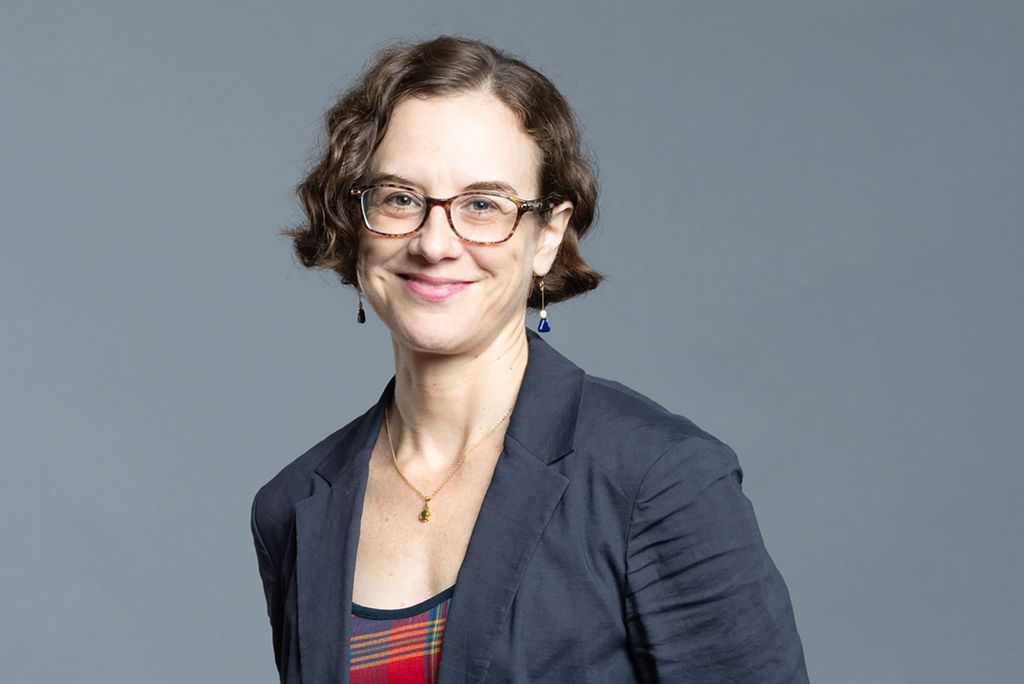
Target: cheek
[
  {"x": 365, "y": 261},
  {"x": 513, "y": 271},
  {"x": 372, "y": 254}
]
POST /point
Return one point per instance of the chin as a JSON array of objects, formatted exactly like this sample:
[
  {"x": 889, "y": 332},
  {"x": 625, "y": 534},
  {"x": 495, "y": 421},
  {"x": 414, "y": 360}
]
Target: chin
[{"x": 436, "y": 334}]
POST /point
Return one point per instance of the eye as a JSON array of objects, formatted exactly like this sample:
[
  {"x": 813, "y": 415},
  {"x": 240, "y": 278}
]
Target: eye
[
  {"x": 401, "y": 200},
  {"x": 480, "y": 204},
  {"x": 394, "y": 202}
]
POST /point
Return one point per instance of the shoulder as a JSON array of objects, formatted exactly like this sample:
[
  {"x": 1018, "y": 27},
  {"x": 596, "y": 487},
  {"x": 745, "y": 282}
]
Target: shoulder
[
  {"x": 628, "y": 433},
  {"x": 274, "y": 501}
]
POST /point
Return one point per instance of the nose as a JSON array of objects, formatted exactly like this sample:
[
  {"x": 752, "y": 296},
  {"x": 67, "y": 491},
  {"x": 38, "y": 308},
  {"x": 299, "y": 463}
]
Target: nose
[{"x": 436, "y": 240}]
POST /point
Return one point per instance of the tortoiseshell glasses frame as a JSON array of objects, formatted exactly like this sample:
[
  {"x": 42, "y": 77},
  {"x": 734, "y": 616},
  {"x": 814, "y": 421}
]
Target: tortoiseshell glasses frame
[{"x": 522, "y": 207}]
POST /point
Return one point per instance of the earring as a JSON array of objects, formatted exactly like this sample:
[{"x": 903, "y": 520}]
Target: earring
[
  {"x": 361, "y": 316},
  {"x": 543, "y": 325}
]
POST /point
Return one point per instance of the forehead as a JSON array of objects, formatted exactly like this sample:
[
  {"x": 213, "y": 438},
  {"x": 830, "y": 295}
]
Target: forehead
[{"x": 445, "y": 143}]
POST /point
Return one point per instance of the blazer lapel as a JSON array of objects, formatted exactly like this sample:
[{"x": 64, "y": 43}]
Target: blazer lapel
[
  {"x": 327, "y": 534},
  {"x": 522, "y": 495},
  {"x": 521, "y": 498},
  {"x": 519, "y": 501}
]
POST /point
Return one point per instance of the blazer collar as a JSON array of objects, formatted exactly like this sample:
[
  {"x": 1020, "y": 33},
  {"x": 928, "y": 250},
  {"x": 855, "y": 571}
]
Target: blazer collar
[
  {"x": 544, "y": 417},
  {"x": 520, "y": 499}
]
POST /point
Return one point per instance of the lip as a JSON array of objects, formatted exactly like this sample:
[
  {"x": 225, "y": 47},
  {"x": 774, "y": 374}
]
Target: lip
[{"x": 431, "y": 288}]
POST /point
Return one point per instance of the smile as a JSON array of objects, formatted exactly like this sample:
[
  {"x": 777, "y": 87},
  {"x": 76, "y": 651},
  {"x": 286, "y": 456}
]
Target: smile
[{"x": 433, "y": 289}]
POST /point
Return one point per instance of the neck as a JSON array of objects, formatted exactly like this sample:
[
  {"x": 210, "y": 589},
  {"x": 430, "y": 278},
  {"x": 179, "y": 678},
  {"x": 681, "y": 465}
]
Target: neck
[{"x": 444, "y": 404}]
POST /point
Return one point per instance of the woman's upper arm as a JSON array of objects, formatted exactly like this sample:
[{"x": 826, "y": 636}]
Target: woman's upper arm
[{"x": 704, "y": 601}]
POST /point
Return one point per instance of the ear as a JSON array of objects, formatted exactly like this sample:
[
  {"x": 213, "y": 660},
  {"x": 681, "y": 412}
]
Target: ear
[{"x": 550, "y": 238}]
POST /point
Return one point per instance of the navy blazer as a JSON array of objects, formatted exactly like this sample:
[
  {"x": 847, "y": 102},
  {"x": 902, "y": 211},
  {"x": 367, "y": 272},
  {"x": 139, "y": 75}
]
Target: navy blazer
[{"x": 614, "y": 544}]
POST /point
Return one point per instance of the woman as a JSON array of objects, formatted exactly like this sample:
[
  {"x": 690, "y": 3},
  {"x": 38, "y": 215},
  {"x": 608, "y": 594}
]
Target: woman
[{"x": 498, "y": 515}]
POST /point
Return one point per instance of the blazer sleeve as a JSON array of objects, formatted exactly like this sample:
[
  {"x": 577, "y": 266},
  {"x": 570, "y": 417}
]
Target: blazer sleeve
[
  {"x": 704, "y": 601},
  {"x": 271, "y": 586}
]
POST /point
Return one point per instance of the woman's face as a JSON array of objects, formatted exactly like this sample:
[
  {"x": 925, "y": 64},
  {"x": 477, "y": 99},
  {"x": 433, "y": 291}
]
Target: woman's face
[{"x": 440, "y": 146}]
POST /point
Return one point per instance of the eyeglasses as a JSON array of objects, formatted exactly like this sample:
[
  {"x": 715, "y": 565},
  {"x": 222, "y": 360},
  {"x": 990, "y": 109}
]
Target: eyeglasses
[{"x": 481, "y": 217}]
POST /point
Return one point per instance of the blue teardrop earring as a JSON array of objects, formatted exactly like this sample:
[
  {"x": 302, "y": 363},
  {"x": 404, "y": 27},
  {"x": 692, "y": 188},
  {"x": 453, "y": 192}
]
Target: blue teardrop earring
[{"x": 543, "y": 326}]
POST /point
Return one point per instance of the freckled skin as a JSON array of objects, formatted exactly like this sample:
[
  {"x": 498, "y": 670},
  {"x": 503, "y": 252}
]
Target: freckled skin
[
  {"x": 476, "y": 337},
  {"x": 444, "y": 144}
]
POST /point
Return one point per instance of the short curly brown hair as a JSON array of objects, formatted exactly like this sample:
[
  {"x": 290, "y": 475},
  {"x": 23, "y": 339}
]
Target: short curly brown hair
[{"x": 355, "y": 125}]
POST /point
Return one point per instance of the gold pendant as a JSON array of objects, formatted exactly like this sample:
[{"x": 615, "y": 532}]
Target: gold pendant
[{"x": 425, "y": 513}]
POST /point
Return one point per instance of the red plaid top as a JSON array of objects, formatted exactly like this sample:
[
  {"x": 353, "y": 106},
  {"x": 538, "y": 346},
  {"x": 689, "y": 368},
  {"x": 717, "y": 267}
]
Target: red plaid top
[{"x": 398, "y": 646}]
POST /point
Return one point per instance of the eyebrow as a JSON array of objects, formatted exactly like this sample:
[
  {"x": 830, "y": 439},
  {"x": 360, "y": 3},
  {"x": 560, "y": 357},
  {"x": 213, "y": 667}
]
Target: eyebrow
[{"x": 495, "y": 185}]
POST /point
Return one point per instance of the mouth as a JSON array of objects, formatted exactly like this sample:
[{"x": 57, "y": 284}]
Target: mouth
[{"x": 431, "y": 288}]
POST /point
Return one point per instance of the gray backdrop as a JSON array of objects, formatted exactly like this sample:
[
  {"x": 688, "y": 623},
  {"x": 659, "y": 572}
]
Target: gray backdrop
[{"x": 811, "y": 224}]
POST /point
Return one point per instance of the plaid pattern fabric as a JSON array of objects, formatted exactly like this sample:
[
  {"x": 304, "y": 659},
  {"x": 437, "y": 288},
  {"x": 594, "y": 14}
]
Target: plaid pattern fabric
[{"x": 400, "y": 646}]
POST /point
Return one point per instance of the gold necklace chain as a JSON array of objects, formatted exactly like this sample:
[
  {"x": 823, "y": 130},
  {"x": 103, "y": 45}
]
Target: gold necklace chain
[{"x": 426, "y": 513}]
